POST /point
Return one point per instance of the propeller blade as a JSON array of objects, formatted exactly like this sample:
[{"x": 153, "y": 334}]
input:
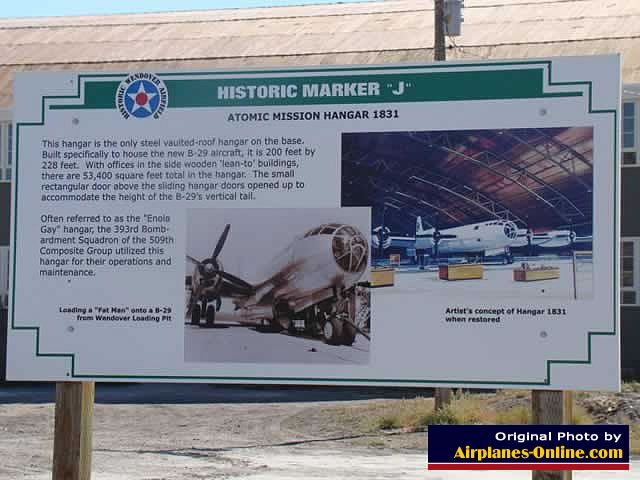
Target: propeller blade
[
  {"x": 233, "y": 279},
  {"x": 193, "y": 260},
  {"x": 221, "y": 240}
]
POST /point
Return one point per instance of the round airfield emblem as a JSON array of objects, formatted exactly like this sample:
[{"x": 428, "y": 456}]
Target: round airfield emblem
[{"x": 141, "y": 95}]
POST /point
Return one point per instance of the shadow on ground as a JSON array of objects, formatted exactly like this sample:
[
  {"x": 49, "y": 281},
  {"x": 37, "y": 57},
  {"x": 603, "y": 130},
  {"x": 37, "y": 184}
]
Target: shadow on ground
[{"x": 150, "y": 393}]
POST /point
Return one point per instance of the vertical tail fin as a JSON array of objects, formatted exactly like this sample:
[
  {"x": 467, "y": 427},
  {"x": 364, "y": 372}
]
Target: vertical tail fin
[{"x": 419, "y": 227}]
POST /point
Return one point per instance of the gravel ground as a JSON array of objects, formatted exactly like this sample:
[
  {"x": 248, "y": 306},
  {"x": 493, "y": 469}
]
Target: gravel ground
[
  {"x": 188, "y": 432},
  {"x": 198, "y": 431}
]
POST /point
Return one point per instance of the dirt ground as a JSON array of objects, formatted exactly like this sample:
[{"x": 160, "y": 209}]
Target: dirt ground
[
  {"x": 188, "y": 432},
  {"x": 204, "y": 432}
]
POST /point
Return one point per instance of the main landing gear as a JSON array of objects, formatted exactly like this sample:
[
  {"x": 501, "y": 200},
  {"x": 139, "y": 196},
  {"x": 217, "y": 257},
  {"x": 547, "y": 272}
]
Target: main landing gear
[{"x": 333, "y": 320}]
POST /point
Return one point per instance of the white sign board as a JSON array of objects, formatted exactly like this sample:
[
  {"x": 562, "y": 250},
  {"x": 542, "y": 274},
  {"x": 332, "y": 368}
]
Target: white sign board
[{"x": 238, "y": 226}]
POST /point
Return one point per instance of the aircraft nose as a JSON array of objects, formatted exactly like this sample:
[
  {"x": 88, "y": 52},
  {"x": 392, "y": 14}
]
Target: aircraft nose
[{"x": 350, "y": 249}]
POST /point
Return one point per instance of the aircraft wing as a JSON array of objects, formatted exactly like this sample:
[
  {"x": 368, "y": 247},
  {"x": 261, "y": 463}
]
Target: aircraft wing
[
  {"x": 282, "y": 280},
  {"x": 232, "y": 290},
  {"x": 555, "y": 242},
  {"x": 549, "y": 243},
  {"x": 586, "y": 239},
  {"x": 403, "y": 242},
  {"x": 262, "y": 294}
]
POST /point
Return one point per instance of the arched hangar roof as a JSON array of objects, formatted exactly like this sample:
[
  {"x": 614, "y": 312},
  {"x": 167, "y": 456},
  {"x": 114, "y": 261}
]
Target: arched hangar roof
[{"x": 539, "y": 178}]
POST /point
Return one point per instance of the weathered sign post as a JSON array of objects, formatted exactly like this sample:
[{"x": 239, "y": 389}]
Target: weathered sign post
[
  {"x": 551, "y": 407},
  {"x": 73, "y": 432},
  {"x": 150, "y": 207}
]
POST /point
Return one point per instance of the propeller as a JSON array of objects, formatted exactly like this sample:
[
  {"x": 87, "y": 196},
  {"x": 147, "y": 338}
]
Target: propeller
[
  {"x": 572, "y": 237},
  {"x": 212, "y": 268},
  {"x": 380, "y": 235},
  {"x": 215, "y": 267},
  {"x": 529, "y": 241},
  {"x": 221, "y": 240},
  {"x": 437, "y": 236}
]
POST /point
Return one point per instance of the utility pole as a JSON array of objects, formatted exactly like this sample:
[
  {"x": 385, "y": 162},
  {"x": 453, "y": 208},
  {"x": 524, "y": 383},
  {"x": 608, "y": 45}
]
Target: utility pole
[
  {"x": 442, "y": 395},
  {"x": 439, "y": 52}
]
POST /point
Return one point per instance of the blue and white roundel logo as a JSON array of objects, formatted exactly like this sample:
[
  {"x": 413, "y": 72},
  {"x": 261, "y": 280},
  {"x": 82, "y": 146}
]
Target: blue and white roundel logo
[{"x": 141, "y": 95}]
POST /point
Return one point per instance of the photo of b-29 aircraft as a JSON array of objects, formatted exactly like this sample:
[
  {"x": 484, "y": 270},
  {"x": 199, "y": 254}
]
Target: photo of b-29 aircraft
[{"x": 305, "y": 286}]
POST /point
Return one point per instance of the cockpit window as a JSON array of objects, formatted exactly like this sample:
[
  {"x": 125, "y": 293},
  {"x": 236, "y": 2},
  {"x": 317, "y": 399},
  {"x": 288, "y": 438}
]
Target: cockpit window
[
  {"x": 325, "y": 229},
  {"x": 313, "y": 231},
  {"x": 328, "y": 230},
  {"x": 350, "y": 249}
]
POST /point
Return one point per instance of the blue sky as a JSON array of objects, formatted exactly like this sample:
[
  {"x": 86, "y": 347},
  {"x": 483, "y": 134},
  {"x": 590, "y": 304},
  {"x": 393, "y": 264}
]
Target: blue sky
[{"x": 37, "y": 8}]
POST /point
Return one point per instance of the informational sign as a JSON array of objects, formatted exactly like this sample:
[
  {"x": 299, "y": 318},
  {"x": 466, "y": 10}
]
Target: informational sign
[{"x": 237, "y": 226}]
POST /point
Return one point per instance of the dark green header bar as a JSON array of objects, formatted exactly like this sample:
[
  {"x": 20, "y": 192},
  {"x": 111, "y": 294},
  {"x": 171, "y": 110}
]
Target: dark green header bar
[{"x": 337, "y": 89}]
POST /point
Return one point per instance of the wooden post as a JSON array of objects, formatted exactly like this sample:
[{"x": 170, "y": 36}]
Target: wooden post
[
  {"x": 72, "y": 441},
  {"x": 551, "y": 407},
  {"x": 442, "y": 397}
]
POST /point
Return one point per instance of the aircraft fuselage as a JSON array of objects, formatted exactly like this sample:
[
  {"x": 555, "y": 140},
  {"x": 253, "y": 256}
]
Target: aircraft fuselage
[{"x": 482, "y": 237}]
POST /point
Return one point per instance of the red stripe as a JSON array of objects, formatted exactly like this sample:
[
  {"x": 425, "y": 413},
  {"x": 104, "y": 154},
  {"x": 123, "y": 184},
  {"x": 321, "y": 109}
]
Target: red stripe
[{"x": 528, "y": 466}]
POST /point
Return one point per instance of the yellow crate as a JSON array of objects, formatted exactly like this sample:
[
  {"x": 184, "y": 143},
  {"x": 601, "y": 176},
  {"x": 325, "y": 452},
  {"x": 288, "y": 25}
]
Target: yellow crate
[
  {"x": 382, "y": 277},
  {"x": 473, "y": 271},
  {"x": 522, "y": 275}
]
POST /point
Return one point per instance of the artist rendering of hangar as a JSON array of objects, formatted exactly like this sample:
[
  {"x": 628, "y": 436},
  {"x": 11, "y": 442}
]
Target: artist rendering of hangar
[
  {"x": 482, "y": 197},
  {"x": 524, "y": 195}
]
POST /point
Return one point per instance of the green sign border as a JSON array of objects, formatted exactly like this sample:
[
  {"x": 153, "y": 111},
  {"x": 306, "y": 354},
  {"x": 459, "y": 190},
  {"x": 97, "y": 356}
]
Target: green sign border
[{"x": 546, "y": 382}]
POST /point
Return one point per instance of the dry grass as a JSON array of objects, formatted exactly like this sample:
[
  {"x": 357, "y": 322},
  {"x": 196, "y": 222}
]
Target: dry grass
[
  {"x": 512, "y": 408},
  {"x": 631, "y": 387},
  {"x": 517, "y": 415},
  {"x": 409, "y": 414},
  {"x": 581, "y": 416},
  {"x": 374, "y": 418},
  {"x": 634, "y": 440},
  {"x": 418, "y": 413}
]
